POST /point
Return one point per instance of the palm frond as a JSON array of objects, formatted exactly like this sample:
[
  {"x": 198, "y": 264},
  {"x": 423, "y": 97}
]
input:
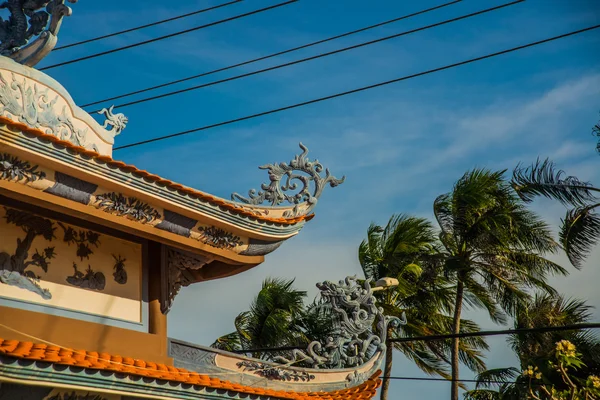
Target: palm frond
[
  {"x": 542, "y": 179},
  {"x": 229, "y": 342},
  {"x": 483, "y": 394},
  {"x": 496, "y": 376},
  {"x": 580, "y": 231},
  {"x": 596, "y": 131}
]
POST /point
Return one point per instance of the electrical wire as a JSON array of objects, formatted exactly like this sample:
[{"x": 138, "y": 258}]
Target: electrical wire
[
  {"x": 499, "y": 332},
  {"x": 137, "y": 28},
  {"x": 130, "y": 46},
  {"x": 545, "y": 329},
  {"x": 304, "y": 46},
  {"x": 108, "y": 360},
  {"x": 357, "y": 90},
  {"x": 432, "y": 379},
  {"x": 318, "y": 56},
  {"x": 288, "y": 365}
]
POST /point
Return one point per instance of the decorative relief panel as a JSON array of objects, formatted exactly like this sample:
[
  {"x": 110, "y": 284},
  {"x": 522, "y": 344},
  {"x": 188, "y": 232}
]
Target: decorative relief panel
[
  {"x": 32, "y": 98},
  {"x": 76, "y": 396},
  {"x": 57, "y": 264},
  {"x": 197, "y": 356},
  {"x": 14, "y": 169},
  {"x": 219, "y": 238},
  {"x": 130, "y": 207},
  {"x": 275, "y": 373},
  {"x": 31, "y": 104}
]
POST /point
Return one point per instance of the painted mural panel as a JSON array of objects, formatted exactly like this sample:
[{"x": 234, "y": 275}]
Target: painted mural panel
[{"x": 51, "y": 263}]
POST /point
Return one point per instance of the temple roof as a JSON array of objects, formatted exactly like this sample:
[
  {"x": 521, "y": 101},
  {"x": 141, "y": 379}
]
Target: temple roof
[
  {"x": 56, "y": 155},
  {"x": 115, "y": 368}
]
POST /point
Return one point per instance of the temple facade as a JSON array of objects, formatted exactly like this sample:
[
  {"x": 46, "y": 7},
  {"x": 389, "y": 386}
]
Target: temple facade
[{"x": 93, "y": 252}]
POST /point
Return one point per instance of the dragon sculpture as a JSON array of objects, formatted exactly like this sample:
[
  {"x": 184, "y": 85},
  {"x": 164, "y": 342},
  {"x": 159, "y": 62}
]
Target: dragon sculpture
[
  {"x": 29, "y": 18},
  {"x": 354, "y": 341},
  {"x": 117, "y": 122}
]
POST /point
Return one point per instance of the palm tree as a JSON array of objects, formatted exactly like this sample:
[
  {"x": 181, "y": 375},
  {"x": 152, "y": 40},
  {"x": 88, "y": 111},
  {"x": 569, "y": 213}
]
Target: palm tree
[
  {"x": 536, "y": 348},
  {"x": 580, "y": 229},
  {"x": 407, "y": 249},
  {"x": 277, "y": 317},
  {"x": 493, "y": 249}
]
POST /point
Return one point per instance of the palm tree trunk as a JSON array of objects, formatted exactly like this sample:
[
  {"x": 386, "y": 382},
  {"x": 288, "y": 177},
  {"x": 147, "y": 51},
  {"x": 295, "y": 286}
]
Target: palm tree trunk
[
  {"x": 388, "y": 366},
  {"x": 456, "y": 341}
]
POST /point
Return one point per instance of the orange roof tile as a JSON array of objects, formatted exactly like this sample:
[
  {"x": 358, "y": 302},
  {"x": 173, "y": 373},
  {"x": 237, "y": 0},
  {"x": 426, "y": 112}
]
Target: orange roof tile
[
  {"x": 151, "y": 177},
  {"x": 127, "y": 365}
]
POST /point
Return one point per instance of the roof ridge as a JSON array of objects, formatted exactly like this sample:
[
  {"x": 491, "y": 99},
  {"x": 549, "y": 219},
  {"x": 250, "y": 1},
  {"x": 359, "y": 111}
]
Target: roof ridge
[
  {"x": 236, "y": 209},
  {"x": 130, "y": 366}
]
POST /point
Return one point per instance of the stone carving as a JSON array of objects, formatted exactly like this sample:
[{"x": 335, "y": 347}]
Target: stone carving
[
  {"x": 120, "y": 274},
  {"x": 127, "y": 206},
  {"x": 76, "y": 396},
  {"x": 219, "y": 238},
  {"x": 35, "y": 107},
  {"x": 14, "y": 268},
  {"x": 282, "y": 178},
  {"x": 27, "y": 19},
  {"x": 193, "y": 354},
  {"x": 179, "y": 266},
  {"x": 354, "y": 341},
  {"x": 117, "y": 122},
  {"x": 82, "y": 239},
  {"x": 356, "y": 378},
  {"x": 14, "y": 169},
  {"x": 89, "y": 280},
  {"x": 275, "y": 373}
]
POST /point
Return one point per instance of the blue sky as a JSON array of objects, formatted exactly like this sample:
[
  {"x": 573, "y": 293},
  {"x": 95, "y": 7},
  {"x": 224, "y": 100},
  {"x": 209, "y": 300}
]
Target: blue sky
[{"x": 400, "y": 145}]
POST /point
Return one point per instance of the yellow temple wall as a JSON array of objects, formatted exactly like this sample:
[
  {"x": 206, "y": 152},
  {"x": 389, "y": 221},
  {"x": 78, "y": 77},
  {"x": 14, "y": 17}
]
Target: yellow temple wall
[{"x": 68, "y": 267}]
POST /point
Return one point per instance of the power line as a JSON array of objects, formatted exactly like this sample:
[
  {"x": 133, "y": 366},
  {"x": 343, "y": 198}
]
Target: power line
[
  {"x": 169, "y": 35},
  {"x": 322, "y": 55},
  {"x": 499, "y": 332},
  {"x": 361, "y": 89},
  {"x": 432, "y": 379},
  {"x": 573, "y": 327},
  {"x": 137, "y": 28},
  {"x": 273, "y": 55}
]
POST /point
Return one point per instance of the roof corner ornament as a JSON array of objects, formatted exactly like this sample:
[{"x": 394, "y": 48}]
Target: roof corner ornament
[
  {"x": 117, "y": 122},
  {"x": 28, "y": 18},
  {"x": 354, "y": 341},
  {"x": 282, "y": 179}
]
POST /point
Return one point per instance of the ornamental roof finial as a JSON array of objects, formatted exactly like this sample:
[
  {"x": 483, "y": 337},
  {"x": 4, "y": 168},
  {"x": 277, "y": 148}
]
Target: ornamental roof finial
[
  {"x": 29, "y": 18},
  {"x": 282, "y": 178}
]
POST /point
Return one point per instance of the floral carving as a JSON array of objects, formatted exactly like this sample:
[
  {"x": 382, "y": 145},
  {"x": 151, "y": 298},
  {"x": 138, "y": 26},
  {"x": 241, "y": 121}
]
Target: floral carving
[
  {"x": 283, "y": 178},
  {"x": 275, "y": 373},
  {"x": 82, "y": 239},
  {"x": 219, "y": 238},
  {"x": 88, "y": 280},
  {"x": 14, "y": 268},
  {"x": 127, "y": 206},
  {"x": 35, "y": 107},
  {"x": 28, "y": 18},
  {"x": 12, "y": 168},
  {"x": 120, "y": 274},
  {"x": 76, "y": 396}
]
